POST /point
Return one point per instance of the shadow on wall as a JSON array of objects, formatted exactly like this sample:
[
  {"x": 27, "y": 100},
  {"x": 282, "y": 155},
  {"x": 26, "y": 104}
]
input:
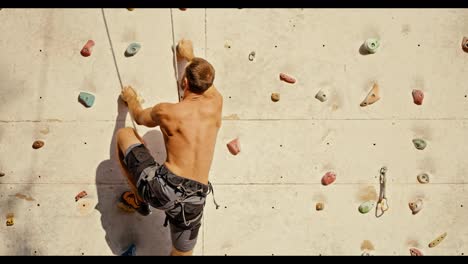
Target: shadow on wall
[{"x": 122, "y": 228}]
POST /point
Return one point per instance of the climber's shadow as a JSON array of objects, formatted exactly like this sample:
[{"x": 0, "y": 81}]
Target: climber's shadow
[{"x": 122, "y": 228}]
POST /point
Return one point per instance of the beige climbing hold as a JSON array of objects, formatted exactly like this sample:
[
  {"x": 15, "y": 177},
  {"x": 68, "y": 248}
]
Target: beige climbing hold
[
  {"x": 234, "y": 146},
  {"x": 275, "y": 97},
  {"x": 416, "y": 206},
  {"x": 319, "y": 206},
  {"x": 437, "y": 241},
  {"x": 372, "y": 97},
  {"x": 38, "y": 144},
  {"x": 415, "y": 252},
  {"x": 423, "y": 178},
  {"x": 10, "y": 220},
  {"x": 321, "y": 96},
  {"x": 286, "y": 78}
]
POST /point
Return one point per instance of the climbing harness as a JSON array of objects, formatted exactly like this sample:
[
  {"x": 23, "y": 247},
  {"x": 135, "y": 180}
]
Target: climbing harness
[{"x": 382, "y": 204}]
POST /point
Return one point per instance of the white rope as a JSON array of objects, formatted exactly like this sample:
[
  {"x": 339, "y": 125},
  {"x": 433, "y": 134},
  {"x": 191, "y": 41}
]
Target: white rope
[
  {"x": 175, "y": 55},
  {"x": 115, "y": 62}
]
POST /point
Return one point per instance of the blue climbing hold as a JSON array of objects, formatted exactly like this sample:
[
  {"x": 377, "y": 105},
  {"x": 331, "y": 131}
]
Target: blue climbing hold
[
  {"x": 86, "y": 99},
  {"x": 131, "y": 251},
  {"x": 132, "y": 49}
]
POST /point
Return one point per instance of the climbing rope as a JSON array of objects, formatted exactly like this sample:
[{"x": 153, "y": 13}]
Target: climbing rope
[
  {"x": 115, "y": 61},
  {"x": 174, "y": 49},
  {"x": 382, "y": 204}
]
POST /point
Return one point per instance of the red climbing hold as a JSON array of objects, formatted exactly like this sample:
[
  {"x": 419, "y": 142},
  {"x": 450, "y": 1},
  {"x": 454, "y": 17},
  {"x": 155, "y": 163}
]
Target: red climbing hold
[
  {"x": 86, "y": 50},
  {"x": 234, "y": 146},
  {"x": 328, "y": 178},
  {"x": 418, "y": 97},
  {"x": 80, "y": 195},
  {"x": 183, "y": 9},
  {"x": 286, "y": 78}
]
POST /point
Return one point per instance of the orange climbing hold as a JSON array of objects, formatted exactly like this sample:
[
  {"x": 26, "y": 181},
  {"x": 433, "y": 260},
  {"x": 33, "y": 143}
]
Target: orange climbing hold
[
  {"x": 80, "y": 195},
  {"x": 37, "y": 144},
  {"x": 328, "y": 178},
  {"x": 86, "y": 50},
  {"x": 465, "y": 44},
  {"x": 234, "y": 146},
  {"x": 286, "y": 78},
  {"x": 372, "y": 97}
]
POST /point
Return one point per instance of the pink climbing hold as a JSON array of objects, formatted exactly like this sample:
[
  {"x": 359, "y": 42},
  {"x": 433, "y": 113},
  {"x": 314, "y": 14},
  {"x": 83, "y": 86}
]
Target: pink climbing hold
[
  {"x": 415, "y": 252},
  {"x": 418, "y": 97},
  {"x": 86, "y": 50},
  {"x": 328, "y": 178},
  {"x": 286, "y": 78},
  {"x": 234, "y": 146}
]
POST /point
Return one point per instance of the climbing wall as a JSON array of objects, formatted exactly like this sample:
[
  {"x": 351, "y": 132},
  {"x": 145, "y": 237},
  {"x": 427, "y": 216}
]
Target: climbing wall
[{"x": 269, "y": 191}]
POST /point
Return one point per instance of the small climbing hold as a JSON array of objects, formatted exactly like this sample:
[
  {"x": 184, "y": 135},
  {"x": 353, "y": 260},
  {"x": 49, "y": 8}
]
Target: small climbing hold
[
  {"x": 465, "y": 44},
  {"x": 252, "y": 56},
  {"x": 423, "y": 178},
  {"x": 86, "y": 99},
  {"x": 372, "y": 45},
  {"x": 87, "y": 49},
  {"x": 372, "y": 97},
  {"x": 419, "y": 143},
  {"x": 415, "y": 252},
  {"x": 132, "y": 49},
  {"x": 321, "y": 96},
  {"x": 437, "y": 241},
  {"x": 365, "y": 207},
  {"x": 37, "y": 144},
  {"x": 2, "y": 174},
  {"x": 416, "y": 206},
  {"x": 328, "y": 178},
  {"x": 183, "y": 9},
  {"x": 130, "y": 251},
  {"x": 275, "y": 97},
  {"x": 131, "y": 9},
  {"x": 227, "y": 44},
  {"x": 319, "y": 206},
  {"x": 234, "y": 146},
  {"x": 418, "y": 96},
  {"x": 365, "y": 253},
  {"x": 80, "y": 195},
  {"x": 286, "y": 78},
  {"x": 10, "y": 220}
]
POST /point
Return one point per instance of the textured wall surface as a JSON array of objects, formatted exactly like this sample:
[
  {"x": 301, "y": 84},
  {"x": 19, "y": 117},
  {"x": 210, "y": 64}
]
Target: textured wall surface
[{"x": 268, "y": 192}]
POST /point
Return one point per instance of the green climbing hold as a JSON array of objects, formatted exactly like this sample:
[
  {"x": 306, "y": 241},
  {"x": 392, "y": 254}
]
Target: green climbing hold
[
  {"x": 86, "y": 99},
  {"x": 365, "y": 207},
  {"x": 372, "y": 45},
  {"x": 132, "y": 49},
  {"x": 419, "y": 143}
]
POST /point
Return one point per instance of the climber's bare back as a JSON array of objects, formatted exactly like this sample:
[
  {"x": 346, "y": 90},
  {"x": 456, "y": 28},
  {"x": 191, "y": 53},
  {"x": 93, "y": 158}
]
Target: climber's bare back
[{"x": 190, "y": 128}]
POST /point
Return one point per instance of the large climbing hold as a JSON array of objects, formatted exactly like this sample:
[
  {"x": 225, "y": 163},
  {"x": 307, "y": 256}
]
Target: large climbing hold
[
  {"x": 87, "y": 48},
  {"x": 38, "y": 144},
  {"x": 423, "y": 178},
  {"x": 416, "y": 206},
  {"x": 415, "y": 252},
  {"x": 365, "y": 207},
  {"x": 234, "y": 146},
  {"x": 321, "y": 96},
  {"x": 132, "y": 49},
  {"x": 86, "y": 99},
  {"x": 418, "y": 96},
  {"x": 465, "y": 44},
  {"x": 372, "y": 45},
  {"x": 372, "y": 97},
  {"x": 287, "y": 78},
  {"x": 419, "y": 143},
  {"x": 328, "y": 178},
  {"x": 437, "y": 241}
]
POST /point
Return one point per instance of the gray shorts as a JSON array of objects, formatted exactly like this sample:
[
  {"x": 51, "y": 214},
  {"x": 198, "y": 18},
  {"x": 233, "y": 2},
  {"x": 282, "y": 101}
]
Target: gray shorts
[{"x": 182, "y": 199}]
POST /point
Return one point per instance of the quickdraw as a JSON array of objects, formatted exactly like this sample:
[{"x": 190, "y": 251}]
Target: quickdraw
[{"x": 382, "y": 204}]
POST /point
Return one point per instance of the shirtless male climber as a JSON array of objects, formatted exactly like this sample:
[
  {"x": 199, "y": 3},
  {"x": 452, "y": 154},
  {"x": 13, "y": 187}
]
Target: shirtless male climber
[{"x": 190, "y": 127}]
